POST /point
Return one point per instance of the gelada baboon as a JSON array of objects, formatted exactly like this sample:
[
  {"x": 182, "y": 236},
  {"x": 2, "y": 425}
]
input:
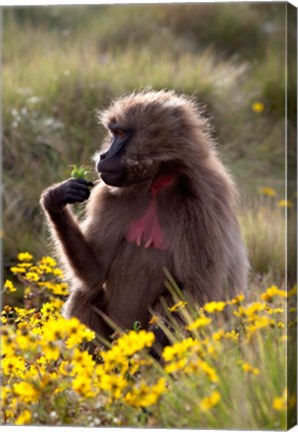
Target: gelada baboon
[{"x": 164, "y": 200}]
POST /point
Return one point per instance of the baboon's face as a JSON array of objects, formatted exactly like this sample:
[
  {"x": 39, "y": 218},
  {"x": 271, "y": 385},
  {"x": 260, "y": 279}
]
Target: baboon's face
[
  {"x": 136, "y": 147},
  {"x": 125, "y": 162}
]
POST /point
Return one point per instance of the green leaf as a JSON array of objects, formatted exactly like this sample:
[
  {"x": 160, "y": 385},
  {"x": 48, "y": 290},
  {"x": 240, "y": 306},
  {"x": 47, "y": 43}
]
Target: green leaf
[{"x": 80, "y": 172}]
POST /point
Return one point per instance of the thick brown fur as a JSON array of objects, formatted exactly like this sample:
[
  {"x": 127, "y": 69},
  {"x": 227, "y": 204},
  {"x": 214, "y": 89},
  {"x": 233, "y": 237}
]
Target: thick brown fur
[{"x": 205, "y": 252}]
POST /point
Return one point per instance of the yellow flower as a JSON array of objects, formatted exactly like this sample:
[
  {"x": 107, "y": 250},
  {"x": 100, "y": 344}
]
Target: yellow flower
[
  {"x": 280, "y": 324},
  {"x": 248, "y": 368},
  {"x": 26, "y": 391},
  {"x": 260, "y": 322},
  {"x": 4, "y": 395},
  {"x": 48, "y": 261},
  {"x": 214, "y": 306},
  {"x": 145, "y": 395},
  {"x": 200, "y": 322},
  {"x": 50, "y": 350},
  {"x": 250, "y": 309},
  {"x": 55, "y": 329},
  {"x": 209, "y": 346},
  {"x": 210, "y": 401},
  {"x": 22, "y": 312},
  {"x": 257, "y": 107},
  {"x": 180, "y": 349},
  {"x": 154, "y": 320},
  {"x": 25, "y": 256},
  {"x": 7, "y": 346},
  {"x": 65, "y": 368},
  {"x": 9, "y": 286},
  {"x": 267, "y": 191},
  {"x": 114, "y": 384},
  {"x": 178, "y": 306},
  {"x": 17, "y": 270},
  {"x": 45, "y": 269},
  {"x": 113, "y": 358},
  {"x": 24, "y": 418},
  {"x": 13, "y": 366},
  {"x": 272, "y": 292},
  {"x": 50, "y": 310},
  {"x": 25, "y": 264},
  {"x": 275, "y": 310},
  {"x": 58, "y": 272},
  {"x": 236, "y": 300},
  {"x": 78, "y": 333},
  {"x": 284, "y": 203},
  {"x": 218, "y": 335},
  {"x": 232, "y": 335},
  {"x": 208, "y": 370},
  {"x": 83, "y": 386},
  {"x": 280, "y": 403},
  {"x": 82, "y": 363},
  {"x": 32, "y": 276},
  {"x": 60, "y": 289},
  {"x": 133, "y": 341},
  {"x": 25, "y": 341},
  {"x": 176, "y": 365}
]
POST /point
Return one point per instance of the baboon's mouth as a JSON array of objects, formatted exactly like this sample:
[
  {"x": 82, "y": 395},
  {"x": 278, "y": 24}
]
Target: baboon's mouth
[{"x": 113, "y": 178}]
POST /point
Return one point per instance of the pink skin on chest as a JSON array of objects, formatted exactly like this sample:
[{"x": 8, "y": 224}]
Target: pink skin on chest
[{"x": 146, "y": 230}]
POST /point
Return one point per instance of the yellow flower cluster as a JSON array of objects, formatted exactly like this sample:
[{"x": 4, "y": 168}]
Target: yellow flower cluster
[
  {"x": 214, "y": 306},
  {"x": 267, "y": 191},
  {"x": 54, "y": 369},
  {"x": 143, "y": 395},
  {"x": 250, "y": 369},
  {"x": 178, "y": 306},
  {"x": 271, "y": 292},
  {"x": 257, "y": 107},
  {"x": 211, "y": 401},
  {"x": 133, "y": 342},
  {"x": 202, "y": 321},
  {"x": 9, "y": 286},
  {"x": 284, "y": 203},
  {"x": 284, "y": 402},
  {"x": 270, "y": 192},
  {"x": 41, "y": 280},
  {"x": 43, "y": 355}
]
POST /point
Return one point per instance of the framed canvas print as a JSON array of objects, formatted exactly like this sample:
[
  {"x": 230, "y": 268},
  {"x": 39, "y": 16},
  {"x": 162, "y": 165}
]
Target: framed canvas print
[{"x": 149, "y": 216}]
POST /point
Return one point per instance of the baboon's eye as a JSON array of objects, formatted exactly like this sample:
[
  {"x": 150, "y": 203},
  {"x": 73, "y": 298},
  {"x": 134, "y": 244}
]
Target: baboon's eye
[{"x": 120, "y": 133}]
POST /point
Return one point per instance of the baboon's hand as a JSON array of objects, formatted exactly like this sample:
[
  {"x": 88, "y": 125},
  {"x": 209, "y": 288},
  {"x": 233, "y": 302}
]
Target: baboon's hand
[{"x": 70, "y": 191}]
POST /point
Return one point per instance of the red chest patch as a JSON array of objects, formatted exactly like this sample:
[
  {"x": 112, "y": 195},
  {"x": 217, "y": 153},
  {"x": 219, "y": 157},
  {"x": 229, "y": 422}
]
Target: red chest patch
[{"x": 146, "y": 230}]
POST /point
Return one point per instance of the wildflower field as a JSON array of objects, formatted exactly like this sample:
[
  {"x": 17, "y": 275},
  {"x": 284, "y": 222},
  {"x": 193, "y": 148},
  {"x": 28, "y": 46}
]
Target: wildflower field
[
  {"x": 230, "y": 364},
  {"x": 226, "y": 368}
]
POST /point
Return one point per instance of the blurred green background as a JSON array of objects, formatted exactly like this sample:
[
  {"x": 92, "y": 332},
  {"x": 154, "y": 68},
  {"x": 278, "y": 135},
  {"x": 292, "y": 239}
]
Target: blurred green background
[{"x": 61, "y": 64}]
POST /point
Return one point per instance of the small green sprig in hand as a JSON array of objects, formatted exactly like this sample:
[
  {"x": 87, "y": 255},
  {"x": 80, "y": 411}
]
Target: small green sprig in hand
[{"x": 80, "y": 173}]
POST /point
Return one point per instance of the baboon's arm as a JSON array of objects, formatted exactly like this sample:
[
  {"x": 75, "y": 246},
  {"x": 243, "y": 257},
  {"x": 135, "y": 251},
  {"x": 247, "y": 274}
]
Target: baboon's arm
[{"x": 66, "y": 229}]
